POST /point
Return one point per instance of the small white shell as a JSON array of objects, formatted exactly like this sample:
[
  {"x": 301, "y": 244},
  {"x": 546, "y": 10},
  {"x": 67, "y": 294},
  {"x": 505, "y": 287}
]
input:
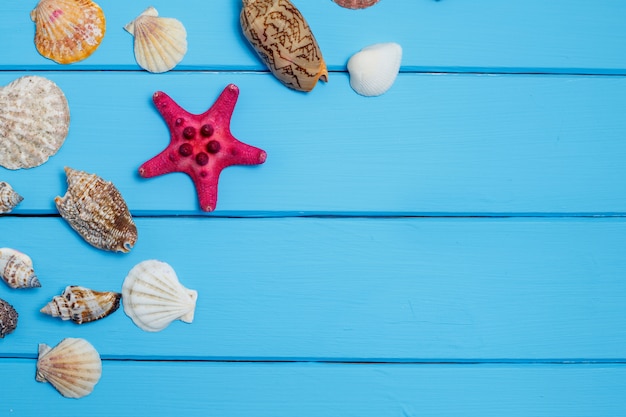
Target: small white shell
[
  {"x": 160, "y": 42},
  {"x": 153, "y": 297},
  {"x": 73, "y": 367},
  {"x": 374, "y": 68},
  {"x": 16, "y": 269},
  {"x": 8, "y": 197}
]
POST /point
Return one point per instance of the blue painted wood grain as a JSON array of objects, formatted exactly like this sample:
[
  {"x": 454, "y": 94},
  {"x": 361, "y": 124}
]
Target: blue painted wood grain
[
  {"x": 311, "y": 390},
  {"x": 485, "y": 35},
  {"x": 453, "y": 144},
  {"x": 348, "y": 289},
  {"x": 453, "y": 247}
]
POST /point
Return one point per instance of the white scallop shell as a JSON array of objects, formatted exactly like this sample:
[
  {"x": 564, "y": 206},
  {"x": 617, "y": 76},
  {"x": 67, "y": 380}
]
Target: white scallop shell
[
  {"x": 16, "y": 269},
  {"x": 8, "y": 197},
  {"x": 73, "y": 367},
  {"x": 153, "y": 297},
  {"x": 34, "y": 121},
  {"x": 374, "y": 69},
  {"x": 160, "y": 42}
]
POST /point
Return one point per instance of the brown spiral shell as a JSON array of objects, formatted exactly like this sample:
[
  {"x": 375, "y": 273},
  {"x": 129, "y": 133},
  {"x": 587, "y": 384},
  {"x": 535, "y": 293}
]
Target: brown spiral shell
[
  {"x": 8, "y": 318},
  {"x": 8, "y": 198},
  {"x": 82, "y": 305},
  {"x": 283, "y": 40},
  {"x": 96, "y": 210},
  {"x": 356, "y": 4}
]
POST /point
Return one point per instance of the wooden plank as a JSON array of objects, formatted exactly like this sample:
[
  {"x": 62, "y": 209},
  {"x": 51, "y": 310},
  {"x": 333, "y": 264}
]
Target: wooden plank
[
  {"x": 347, "y": 289},
  {"x": 456, "y": 144},
  {"x": 484, "y": 35},
  {"x": 236, "y": 389}
]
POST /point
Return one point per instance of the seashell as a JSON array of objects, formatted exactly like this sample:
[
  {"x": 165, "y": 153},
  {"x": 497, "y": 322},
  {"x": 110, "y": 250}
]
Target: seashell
[
  {"x": 68, "y": 31},
  {"x": 34, "y": 121},
  {"x": 82, "y": 305},
  {"x": 374, "y": 69},
  {"x": 73, "y": 367},
  {"x": 8, "y": 197},
  {"x": 153, "y": 297},
  {"x": 96, "y": 210},
  {"x": 356, "y": 4},
  {"x": 8, "y": 318},
  {"x": 160, "y": 42},
  {"x": 283, "y": 40},
  {"x": 16, "y": 269}
]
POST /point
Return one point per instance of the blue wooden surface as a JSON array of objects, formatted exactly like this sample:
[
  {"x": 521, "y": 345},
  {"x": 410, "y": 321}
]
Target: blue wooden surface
[{"x": 454, "y": 247}]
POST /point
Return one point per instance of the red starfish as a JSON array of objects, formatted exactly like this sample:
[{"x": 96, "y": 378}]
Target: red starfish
[{"x": 201, "y": 145}]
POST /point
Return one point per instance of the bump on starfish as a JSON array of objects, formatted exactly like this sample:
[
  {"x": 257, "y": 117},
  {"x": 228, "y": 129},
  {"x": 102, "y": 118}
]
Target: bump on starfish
[{"x": 201, "y": 145}]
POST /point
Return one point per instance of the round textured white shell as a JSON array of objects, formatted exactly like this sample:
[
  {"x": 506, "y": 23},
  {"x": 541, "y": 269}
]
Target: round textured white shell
[
  {"x": 160, "y": 42},
  {"x": 34, "y": 121},
  {"x": 73, "y": 367},
  {"x": 374, "y": 69},
  {"x": 153, "y": 297}
]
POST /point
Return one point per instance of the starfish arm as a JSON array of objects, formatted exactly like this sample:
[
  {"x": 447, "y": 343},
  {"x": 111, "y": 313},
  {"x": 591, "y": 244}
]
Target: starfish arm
[
  {"x": 244, "y": 154},
  {"x": 206, "y": 189},
  {"x": 224, "y": 106},
  {"x": 158, "y": 165},
  {"x": 168, "y": 108}
]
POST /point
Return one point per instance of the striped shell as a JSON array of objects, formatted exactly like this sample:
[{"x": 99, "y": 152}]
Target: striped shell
[
  {"x": 153, "y": 297},
  {"x": 73, "y": 367},
  {"x": 34, "y": 121},
  {"x": 160, "y": 42},
  {"x": 68, "y": 31},
  {"x": 283, "y": 40},
  {"x": 16, "y": 269},
  {"x": 8, "y": 318},
  {"x": 96, "y": 210},
  {"x": 8, "y": 197},
  {"x": 356, "y": 4},
  {"x": 82, "y": 305}
]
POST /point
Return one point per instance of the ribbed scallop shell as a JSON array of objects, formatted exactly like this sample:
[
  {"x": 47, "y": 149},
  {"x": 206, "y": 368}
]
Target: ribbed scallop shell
[
  {"x": 283, "y": 40},
  {"x": 68, "y": 31},
  {"x": 34, "y": 121},
  {"x": 8, "y": 318},
  {"x": 356, "y": 4},
  {"x": 73, "y": 367},
  {"x": 16, "y": 269},
  {"x": 82, "y": 305},
  {"x": 8, "y": 197},
  {"x": 153, "y": 297},
  {"x": 374, "y": 69},
  {"x": 96, "y": 210},
  {"x": 160, "y": 42}
]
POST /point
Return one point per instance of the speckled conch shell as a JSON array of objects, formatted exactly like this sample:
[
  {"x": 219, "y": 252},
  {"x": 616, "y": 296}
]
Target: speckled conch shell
[
  {"x": 8, "y": 198},
  {"x": 356, "y": 4},
  {"x": 34, "y": 121},
  {"x": 153, "y": 297},
  {"x": 374, "y": 69},
  {"x": 68, "y": 31},
  {"x": 82, "y": 305},
  {"x": 96, "y": 210},
  {"x": 73, "y": 367},
  {"x": 8, "y": 318},
  {"x": 283, "y": 40},
  {"x": 17, "y": 270},
  {"x": 160, "y": 42}
]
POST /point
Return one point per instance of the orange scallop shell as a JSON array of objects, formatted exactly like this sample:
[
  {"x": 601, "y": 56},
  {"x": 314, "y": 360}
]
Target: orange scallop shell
[{"x": 68, "y": 31}]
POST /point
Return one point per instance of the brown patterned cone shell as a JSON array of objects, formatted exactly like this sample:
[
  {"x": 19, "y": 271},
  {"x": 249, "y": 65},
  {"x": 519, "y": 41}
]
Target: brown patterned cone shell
[
  {"x": 95, "y": 209},
  {"x": 16, "y": 269},
  {"x": 73, "y": 367},
  {"x": 283, "y": 40},
  {"x": 8, "y": 198},
  {"x": 356, "y": 4},
  {"x": 82, "y": 305},
  {"x": 8, "y": 318},
  {"x": 68, "y": 31}
]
